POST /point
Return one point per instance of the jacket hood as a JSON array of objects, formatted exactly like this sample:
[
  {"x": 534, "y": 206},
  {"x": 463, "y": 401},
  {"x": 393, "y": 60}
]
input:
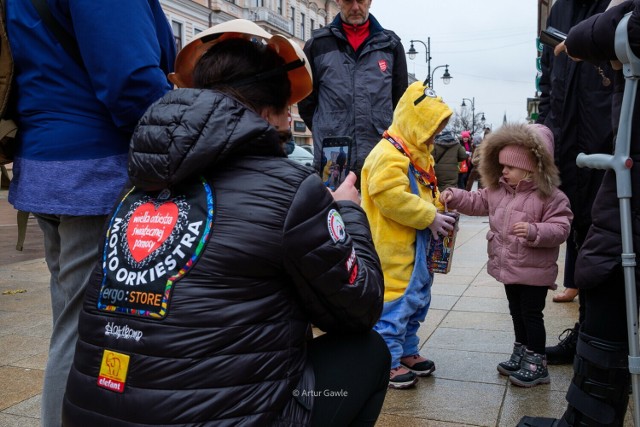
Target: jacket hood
[
  {"x": 446, "y": 138},
  {"x": 190, "y": 130},
  {"x": 546, "y": 177},
  {"x": 417, "y": 117}
]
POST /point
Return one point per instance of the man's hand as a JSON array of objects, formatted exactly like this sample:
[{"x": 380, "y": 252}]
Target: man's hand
[
  {"x": 561, "y": 48},
  {"x": 347, "y": 190}
]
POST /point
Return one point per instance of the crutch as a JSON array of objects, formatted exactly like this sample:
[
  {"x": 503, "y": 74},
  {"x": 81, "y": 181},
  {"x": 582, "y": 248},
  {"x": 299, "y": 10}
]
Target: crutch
[{"x": 621, "y": 164}]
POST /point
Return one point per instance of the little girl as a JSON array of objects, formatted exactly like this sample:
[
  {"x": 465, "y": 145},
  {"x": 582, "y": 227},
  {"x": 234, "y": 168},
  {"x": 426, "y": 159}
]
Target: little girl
[{"x": 529, "y": 218}]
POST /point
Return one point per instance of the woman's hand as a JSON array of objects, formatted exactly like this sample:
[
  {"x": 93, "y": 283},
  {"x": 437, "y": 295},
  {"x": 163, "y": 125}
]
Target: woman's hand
[{"x": 347, "y": 190}]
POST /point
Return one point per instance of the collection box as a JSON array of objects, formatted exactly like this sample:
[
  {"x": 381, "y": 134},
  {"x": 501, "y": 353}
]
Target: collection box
[{"x": 442, "y": 251}]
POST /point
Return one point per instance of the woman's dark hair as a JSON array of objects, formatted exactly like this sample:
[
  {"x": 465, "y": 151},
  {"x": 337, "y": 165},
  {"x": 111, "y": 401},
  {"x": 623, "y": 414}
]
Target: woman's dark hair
[{"x": 234, "y": 67}]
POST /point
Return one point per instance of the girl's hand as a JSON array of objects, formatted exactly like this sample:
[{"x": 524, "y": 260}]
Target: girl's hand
[
  {"x": 347, "y": 190},
  {"x": 446, "y": 196},
  {"x": 442, "y": 224},
  {"x": 521, "y": 229}
]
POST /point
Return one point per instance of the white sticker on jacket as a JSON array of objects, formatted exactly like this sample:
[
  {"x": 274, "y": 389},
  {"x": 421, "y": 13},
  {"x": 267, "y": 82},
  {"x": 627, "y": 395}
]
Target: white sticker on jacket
[{"x": 336, "y": 226}]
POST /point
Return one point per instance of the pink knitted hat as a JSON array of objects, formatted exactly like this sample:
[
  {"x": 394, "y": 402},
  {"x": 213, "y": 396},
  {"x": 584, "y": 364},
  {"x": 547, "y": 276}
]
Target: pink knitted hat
[{"x": 517, "y": 156}]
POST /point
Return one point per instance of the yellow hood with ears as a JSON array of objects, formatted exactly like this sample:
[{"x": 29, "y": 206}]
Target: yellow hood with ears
[{"x": 417, "y": 117}]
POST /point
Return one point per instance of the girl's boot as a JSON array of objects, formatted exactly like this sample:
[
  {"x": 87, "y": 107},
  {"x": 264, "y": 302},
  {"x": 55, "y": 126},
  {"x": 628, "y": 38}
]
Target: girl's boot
[
  {"x": 533, "y": 370},
  {"x": 599, "y": 392},
  {"x": 513, "y": 364}
]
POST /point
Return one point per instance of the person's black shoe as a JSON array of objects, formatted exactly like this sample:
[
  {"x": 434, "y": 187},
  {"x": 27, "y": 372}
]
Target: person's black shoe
[
  {"x": 565, "y": 350},
  {"x": 539, "y": 422}
]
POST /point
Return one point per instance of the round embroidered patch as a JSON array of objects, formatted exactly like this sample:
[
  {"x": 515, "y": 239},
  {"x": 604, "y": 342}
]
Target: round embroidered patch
[
  {"x": 336, "y": 226},
  {"x": 151, "y": 243}
]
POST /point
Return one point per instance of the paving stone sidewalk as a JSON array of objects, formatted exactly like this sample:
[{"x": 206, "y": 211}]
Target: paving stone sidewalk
[{"x": 467, "y": 332}]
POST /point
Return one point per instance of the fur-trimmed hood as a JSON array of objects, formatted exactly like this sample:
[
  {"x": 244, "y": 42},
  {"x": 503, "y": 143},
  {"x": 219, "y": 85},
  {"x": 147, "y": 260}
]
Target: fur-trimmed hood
[{"x": 534, "y": 138}]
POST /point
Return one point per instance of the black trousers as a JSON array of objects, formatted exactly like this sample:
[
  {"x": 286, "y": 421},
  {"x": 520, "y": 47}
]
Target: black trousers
[
  {"x": 352, "y": 375},
  {"x": 606, "y": 312},
  {"x": 526, "y": 303}
]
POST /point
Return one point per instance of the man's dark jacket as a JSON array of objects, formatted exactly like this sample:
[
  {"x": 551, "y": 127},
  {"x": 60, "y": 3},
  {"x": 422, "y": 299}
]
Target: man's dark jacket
[
  {"x": 599, "y": 258},
  {"x": 576, "y": 106},
  {"x": 354, "y": 92},
  {"x": 231, "y": 348}
]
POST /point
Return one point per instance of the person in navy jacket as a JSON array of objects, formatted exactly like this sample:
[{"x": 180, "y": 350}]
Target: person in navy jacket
[{"x": 75, "y": 120}]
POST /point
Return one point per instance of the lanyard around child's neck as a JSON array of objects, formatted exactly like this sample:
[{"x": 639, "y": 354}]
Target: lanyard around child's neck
[{"x": 425, "y": 178}]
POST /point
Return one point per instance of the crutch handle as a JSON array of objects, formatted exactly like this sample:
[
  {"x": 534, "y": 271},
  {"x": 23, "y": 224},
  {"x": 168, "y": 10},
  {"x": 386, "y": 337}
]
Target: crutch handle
[{"x": 594, "y": 161}]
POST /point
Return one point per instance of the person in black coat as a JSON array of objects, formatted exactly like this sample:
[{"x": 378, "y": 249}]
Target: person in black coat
[
  {"x": 220, "y": 258},
  {"x": 575, "y": 103},
  {"x": 599, "y": 391}
]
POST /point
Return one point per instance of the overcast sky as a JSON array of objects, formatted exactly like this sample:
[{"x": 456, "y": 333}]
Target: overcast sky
[{"x": 490, "y": 48}]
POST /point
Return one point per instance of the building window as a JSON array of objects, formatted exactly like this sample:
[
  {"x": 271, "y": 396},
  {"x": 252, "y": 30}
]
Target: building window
[
  {"x": 313, "y": 24},
  {"x": 293, "y": 21},
  {"x": 299, "y": 126},
  {"x": 302, "y": 32},
  {"x": 280, "y": 9},
  {"x": 177, "y": 33},
  {"x": 258, "y": 3}
]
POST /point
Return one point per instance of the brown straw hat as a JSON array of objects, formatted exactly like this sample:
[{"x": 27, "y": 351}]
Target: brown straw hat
[{"x": 299, "y": 76}]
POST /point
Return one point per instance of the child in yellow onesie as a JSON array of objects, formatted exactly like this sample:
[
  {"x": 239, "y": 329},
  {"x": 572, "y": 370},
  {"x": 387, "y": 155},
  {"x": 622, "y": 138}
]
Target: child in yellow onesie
[{"x": 400, "y": 196}]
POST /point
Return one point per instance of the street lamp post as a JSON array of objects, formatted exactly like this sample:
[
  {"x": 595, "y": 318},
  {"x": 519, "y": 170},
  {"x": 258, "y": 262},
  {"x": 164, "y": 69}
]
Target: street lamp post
[
  {"x": 412, "y": 54},
  {"x": 446, "y": 77},
  {"x": 473, "y": 112}
]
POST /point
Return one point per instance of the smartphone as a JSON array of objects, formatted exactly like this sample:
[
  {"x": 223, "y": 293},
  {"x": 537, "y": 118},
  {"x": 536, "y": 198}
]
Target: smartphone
[
  {"x": 336, "y": 160},
  {"x": 552, "y": 37}
]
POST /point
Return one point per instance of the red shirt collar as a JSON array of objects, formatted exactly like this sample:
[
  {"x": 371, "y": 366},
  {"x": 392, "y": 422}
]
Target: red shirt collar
[{"x": 356, "y": 34}]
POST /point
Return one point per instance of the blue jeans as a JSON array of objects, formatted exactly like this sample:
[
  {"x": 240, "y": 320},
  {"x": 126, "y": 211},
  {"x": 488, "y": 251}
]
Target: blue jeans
[{"x": 72, "y": 248}]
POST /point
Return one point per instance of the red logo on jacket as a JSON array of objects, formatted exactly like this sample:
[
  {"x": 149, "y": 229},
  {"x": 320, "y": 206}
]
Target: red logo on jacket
[{"x": 383, "y": 65}]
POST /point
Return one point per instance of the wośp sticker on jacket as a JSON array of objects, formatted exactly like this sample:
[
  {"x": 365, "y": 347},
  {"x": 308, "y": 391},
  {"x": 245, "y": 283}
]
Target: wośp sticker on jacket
[{"x": 152, "y": 242}]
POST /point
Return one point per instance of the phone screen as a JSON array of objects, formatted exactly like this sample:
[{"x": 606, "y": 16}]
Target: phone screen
[
  {"x": 552, "y": 37},
  {"x": 336, "y": 158}
]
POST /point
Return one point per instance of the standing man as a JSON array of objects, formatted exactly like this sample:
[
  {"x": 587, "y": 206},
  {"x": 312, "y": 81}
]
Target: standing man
[
  {"x": 75, "y": 118},
  {"x": 575, "y": 104},
  {"x": 359, "y": 74}
]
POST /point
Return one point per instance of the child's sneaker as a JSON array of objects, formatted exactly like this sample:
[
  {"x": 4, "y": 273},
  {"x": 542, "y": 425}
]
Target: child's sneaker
[
  {"x": 533, "y": 371},
  {"x": 513, "y": 364},
  {"x": 419, "y": 365},
  {"x": 401, "y": 377}
]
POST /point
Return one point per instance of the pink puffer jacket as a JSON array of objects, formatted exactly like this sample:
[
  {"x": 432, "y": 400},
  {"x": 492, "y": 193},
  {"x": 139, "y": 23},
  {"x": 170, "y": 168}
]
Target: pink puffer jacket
[{"x": 530, "y": 261}]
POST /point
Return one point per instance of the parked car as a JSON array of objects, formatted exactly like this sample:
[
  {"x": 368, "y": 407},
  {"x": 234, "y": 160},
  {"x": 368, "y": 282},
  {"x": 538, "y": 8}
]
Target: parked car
[{"x": 301, "y": 156}]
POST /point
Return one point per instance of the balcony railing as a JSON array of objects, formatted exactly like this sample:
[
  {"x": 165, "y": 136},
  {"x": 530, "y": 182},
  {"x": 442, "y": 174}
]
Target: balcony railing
[{"x": 272, "y": 18}]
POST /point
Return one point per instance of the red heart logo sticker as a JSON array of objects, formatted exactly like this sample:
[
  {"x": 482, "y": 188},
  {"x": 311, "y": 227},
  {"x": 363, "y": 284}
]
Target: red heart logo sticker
[{"x": 149, "y": 227}]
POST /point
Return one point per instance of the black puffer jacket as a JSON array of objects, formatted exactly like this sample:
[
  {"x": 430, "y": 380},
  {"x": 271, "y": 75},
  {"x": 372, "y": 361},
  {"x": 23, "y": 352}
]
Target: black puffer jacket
[
  {"x": 599, "y": 257},
  {"x": 576, "y": 106},
  {"x": 223, "y": 342}
]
